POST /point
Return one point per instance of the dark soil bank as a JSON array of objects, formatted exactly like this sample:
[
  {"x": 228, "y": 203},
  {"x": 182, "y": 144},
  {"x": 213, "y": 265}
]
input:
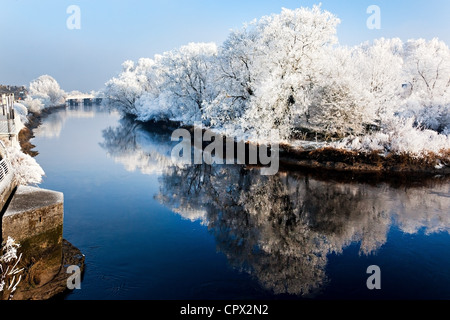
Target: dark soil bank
[
  {"x": 339, "y": 160},
  {"x": 343, "y": 160},
  {"x": 34, "y": 121}
]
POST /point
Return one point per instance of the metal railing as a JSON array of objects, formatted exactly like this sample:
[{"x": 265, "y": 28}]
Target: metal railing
[
  {"x": 5, "y": 169},
  {"x": 5, "y": 164}
]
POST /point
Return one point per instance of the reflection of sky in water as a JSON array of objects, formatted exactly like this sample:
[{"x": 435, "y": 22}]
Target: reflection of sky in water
[
  {"x": 288, "y": 233},
  {"x": 54, "y": 122}
]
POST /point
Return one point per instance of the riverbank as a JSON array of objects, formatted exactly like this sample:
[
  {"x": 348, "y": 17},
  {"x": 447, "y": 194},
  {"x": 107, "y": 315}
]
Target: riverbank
[
  {"x": 334, "y": 160},
  {"x": 344, "y": 160},
  {"x": 323, "y": 161}
]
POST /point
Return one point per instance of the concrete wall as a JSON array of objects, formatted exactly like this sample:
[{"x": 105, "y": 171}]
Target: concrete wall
[
  {"x": 34, "y": 219},
  {"x": 32, "y": 211},
  {"x": 7, "y": 186}
]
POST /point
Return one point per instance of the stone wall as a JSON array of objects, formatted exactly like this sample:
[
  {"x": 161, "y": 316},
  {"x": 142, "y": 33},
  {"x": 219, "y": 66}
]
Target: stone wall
[{"x": 34, "y": 219}]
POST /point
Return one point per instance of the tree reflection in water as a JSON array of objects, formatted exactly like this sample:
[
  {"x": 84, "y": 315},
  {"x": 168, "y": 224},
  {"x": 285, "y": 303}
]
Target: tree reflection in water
[{"x": 281, "y": 228}]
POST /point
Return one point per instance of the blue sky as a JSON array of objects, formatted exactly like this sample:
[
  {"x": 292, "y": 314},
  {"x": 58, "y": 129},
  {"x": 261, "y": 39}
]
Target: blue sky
[{"x": 36, "y": 40}]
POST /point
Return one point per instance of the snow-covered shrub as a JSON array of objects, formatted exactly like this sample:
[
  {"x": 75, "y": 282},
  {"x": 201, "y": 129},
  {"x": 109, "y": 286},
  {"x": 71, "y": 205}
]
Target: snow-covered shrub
[
  {"x": 33, "y": 105},
  {"x": 399, "y": 136},
  {"x": 10, "y": 273},
  {"x": 151, "y": 106},
  {"x": 335, "y": 110},
  {"x": 22, "y": 111},
  {"x": 432, "y": 114},
  {"x": 27, "y": 170}
]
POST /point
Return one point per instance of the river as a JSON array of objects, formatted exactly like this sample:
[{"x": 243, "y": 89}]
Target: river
[{"x": 153, "y": 230}]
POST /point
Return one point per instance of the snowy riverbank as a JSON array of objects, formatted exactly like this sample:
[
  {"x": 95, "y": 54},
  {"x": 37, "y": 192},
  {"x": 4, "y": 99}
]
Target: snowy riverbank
[{"x": 380, "y": 106}]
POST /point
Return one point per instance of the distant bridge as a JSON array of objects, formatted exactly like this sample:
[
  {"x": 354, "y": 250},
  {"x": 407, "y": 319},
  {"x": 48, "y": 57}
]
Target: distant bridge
[{"x": 87, "y": 99}]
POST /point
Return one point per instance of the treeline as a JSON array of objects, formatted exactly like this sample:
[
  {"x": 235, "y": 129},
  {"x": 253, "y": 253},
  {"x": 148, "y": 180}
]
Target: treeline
[{"x": 288, "y": 72}]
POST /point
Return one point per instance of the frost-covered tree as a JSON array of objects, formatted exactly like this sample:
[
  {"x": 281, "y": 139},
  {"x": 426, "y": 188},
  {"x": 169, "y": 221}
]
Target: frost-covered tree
[
  {"x": 427, "y": 74},
  {"x": 47, "y": 90},
  {"x": 427, "y": 67},
  {"x": 376, "y": 74},
  {"x": 360, "y": 87},
  {"x": 135, "y": 79},
  {"x": 287, "y": 72},
  {"x": 334, "y": 109},
  {"x": 187, "y": 79},
  {"x": 292, "y": 48},
  {"x": 236, "y": 76}
]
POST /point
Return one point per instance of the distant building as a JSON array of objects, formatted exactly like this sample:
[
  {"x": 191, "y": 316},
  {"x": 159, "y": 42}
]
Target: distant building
[
  {"x": 20, "y": 92},
  {"x": 10, "y": 125}
]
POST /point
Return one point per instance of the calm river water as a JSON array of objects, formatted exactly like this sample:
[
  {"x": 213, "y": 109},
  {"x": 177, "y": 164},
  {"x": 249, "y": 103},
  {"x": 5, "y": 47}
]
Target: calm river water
[{"x": 153, "y": 230}]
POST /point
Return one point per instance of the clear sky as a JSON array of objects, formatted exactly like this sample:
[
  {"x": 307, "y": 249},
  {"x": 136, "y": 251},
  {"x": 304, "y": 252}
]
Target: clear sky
[{"x": 35, "y": 39}]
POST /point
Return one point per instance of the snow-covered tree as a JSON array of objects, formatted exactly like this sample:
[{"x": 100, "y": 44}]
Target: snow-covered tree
[
  {"x": 287, "y": 72},
  {"x": 187, "y": 79},
  {"x": 235, "y": 75},
  {"x": 427, "y": 73},
  {"x": 335, "y": 109},
  {"x": 427, "y": 67},
  {"x": 360, "y": 86},
  {"x": 376, "y": 72},
  {"x": 292, "y": 48},
  {"x": 135, "y": 79},
  {"x": 47, "y": 90}
]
